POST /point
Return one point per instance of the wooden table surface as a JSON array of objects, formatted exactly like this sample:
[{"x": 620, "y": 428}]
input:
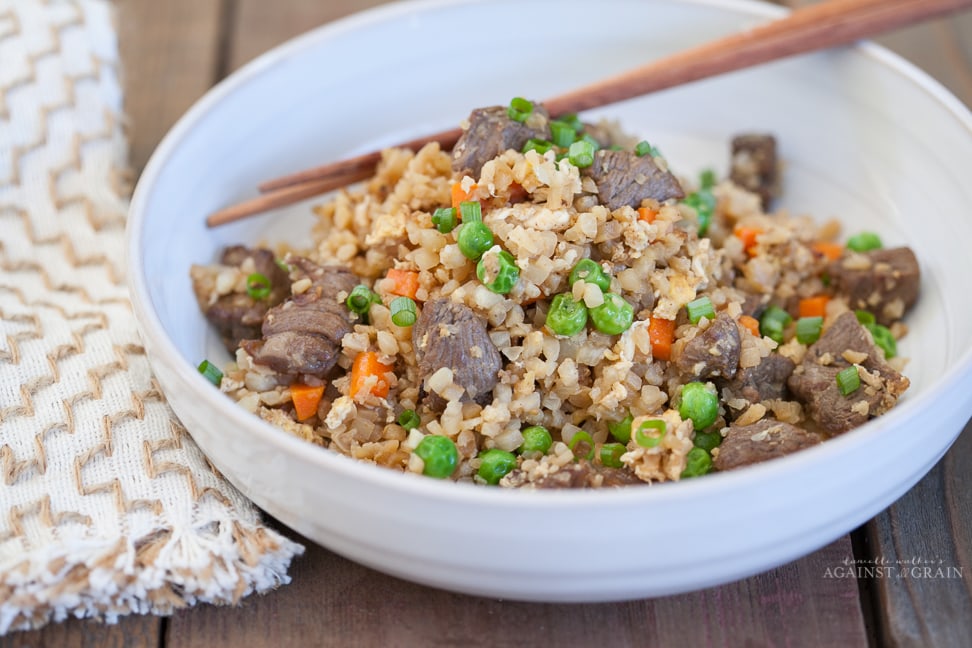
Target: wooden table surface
[{"x": 173, "y": 51}]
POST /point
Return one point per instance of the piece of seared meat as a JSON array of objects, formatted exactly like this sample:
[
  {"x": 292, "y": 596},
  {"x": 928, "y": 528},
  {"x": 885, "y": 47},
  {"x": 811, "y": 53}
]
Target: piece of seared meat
[
  {"x": 765, "y": 439},
  {"x": 580, "y": 474},
  {"x": 448, "y": 334},
  {"x": 491, "y": 132},
  {"x": 765, "y": 381},
  {"x": 238, "y": 316},
  {"x": 302, "y": 336},
  {"x": 814, "y": 381},
  {"x": 623, "y": 178},
  {"x": 884, "y": 282},
  {"x": 712, "y": 353},
  {"x": 753, "y": 165}
]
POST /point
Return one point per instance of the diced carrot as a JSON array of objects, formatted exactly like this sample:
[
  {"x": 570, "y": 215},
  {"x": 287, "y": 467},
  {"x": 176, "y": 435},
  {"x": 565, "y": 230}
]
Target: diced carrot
[
  {"x": 404, "y": 282},
  {"x": 832, "y": 251},
  {"x": 813, "y": 306},
  {"x": 306, "y": 399},
  {"x": 661, "y": 332},
  {"x": 459, "y": 195},
  {"x": 750, "y": 323},
  {"x": 748, "y": 236},
  {"x": 646, "y": 214},
  {"x": 365, "y": 366}
]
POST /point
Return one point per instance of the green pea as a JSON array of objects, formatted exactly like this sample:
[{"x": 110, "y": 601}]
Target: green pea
[
  {"x": 613, "y": 316},
  {"x": 474, "y": 239},
  {"x": 566, "y": 316},
  {"x": 439, "y": 454},
  {"x": 699, "y": 403},
  {"x": 535, "y": 439},
  {"x": 591, "y": 272},
  {"x": 495, "y": 464},
  {"x": 498, "y": 271},
  {"x": 707, "y": 440},
  {"x": 698, "y": 462},
  {"x": 864, "y": 241},
  {"x": 621, "y": 430}
]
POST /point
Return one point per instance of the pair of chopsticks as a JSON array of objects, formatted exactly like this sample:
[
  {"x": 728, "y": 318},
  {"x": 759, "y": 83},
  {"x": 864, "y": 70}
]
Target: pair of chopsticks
[{"x": 816, "y": 27}]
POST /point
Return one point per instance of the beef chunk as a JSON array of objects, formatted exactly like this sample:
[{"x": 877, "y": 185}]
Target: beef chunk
[
  {"x": 584, "y": 474},
  {"x": 753, "y": 165},
  {"x": 765, "y": 439},
  {"x": 623, "y": 178},
  {"x": 765, "y": 381},
  {"x": 451, "y": 335},
  {"x": 884, "y": 282},
  {"x": 814, "y": 382},
  {"x": 491, "y": 132},
  {"x": 713, "y": 352},
  {"x": 303, "y": 334},
  {"x": 237, "y": 316}
]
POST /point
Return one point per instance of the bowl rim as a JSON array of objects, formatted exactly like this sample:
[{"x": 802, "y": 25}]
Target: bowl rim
[{"x": 421, "y": 486}]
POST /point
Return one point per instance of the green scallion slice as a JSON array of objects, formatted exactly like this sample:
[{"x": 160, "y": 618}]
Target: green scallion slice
[
  {"x": 883, "y": 338},
  {"x": 611, "y": 454},
  {"x": 403, "y": 311},
  {"x": 650, "y": 433},
  {"x": 699, "y": 308},
  {"x": 519, "y": 109},
  {"x": 864, "y": 241},
  {"x": 808, "y": 329},
  {"x": 581, "y": 153},
  {"x": 572, "y": 120},
  {"x": 864, "y": 317},
  {"x": 848, "y": 380},
  {"x": 621, "y": 430},
  {"x": 211, "y": 372},
  {"x": 541, "y": 146},
  {"x": 772, "y": 323},
  {"x": 562, "y": 134},
  {"x": 470, "y": 211},
  {"x": 707, "y": 179},
  {"x": 444, "y": 219},
  {"x": 258, "y": 286},
  {"x": 361, "y": 299},
  {"x": 409, "y": 419},
  {"x": 644, "y": 148},
  {"x": 581, "y": 437}
]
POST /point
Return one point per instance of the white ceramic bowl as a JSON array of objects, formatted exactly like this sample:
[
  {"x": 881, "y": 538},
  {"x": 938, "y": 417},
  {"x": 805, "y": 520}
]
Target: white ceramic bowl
[{"x": 866, "y": 138}]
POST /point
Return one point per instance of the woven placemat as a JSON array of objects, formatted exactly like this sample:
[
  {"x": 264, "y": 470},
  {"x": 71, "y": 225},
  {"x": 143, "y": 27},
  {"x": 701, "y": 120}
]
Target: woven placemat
[{"x": 107, "y": 507}]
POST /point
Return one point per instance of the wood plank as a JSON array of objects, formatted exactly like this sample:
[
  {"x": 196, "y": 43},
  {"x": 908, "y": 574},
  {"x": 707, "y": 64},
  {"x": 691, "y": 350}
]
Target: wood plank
[
  {"x": 925, "y": 539},
  {"x": 170, "y": 52},
  {"x": 130, "y": 632},
  {"x": 334, "y": 602}
]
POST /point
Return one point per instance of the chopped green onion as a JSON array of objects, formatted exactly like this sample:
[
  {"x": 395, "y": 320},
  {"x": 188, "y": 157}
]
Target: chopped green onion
[
  {"x": 808, "y": 329},
  {"x": 470, "y": 211},
  {"x": 361, "y": 299},
  {"x": 495, "y": 464},
  {"x": 707, "y": 440},
  {"x": 535, "y": 439},
  {"x": 409, "y": 419},
  {"x": 703, "y": 202},
  {"x": 699, "y": 403},
  {"x": 211, "y": 372},
  {"x": 698, "y": 462},
  {"x": 864, "y": 317},
  {"x": 439, "y": 454},
  {"x": 519, "y": 109},
  {"x": 562, "y": 134},
  {"x": 644, "y": 148},
  {"x": 581, "y": 437},
  {"x": 581, "y": 154},
  {"x": 572, "y": 120},
  {"x": 566, "y": 315},
  {"x": 772, "y": 323},
  {"x": 883, "y": 338},
  {"x": 614, "y": 316},
  {"x": 707, "y": 179},
  {"x": 283, "y": 265},
  {"x": 474, "y": 238},
  {"x": 498, "y": 271},
  {"x": 699, "y": 308},
  {"x": 650, "y": 433},
  {"x": 848, "y": 380},
  {"x": 611, "y": 455},
  {"x": 621, "y": 430},
  {"x": 591, "y": 272},
  {"x": 258, "y": 286},
  {"x": 402, "y": 311},
  {"x": 444, "y": 219},
  {"x": 864, "y": 241},
  {"x": 541, "y": 146}
]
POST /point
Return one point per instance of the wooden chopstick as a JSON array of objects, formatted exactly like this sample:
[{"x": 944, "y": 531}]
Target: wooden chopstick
[{"x": 816, "y": 27}]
